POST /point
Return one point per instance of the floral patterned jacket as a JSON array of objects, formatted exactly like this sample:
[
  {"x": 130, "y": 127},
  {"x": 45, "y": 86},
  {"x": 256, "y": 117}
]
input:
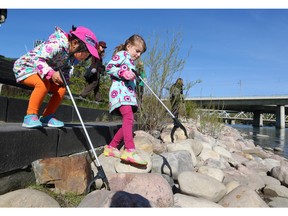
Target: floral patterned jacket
[
  {"x": 46, "y": 58},
  {"x": 122, "y": 91}
]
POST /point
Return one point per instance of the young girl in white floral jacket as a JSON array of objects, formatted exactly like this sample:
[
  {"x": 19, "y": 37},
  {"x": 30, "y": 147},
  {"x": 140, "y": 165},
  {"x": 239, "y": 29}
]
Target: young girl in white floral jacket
[{"x": 40, "y": 67}]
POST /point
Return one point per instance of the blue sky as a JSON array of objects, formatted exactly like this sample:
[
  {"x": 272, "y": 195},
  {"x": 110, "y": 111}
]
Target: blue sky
[{"x": 235, "y": 52}]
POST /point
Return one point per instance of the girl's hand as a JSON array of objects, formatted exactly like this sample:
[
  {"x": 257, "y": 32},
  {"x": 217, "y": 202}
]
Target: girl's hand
[
  {"x": 56, "y": 78},
  {"x": 128, "y": 75}
]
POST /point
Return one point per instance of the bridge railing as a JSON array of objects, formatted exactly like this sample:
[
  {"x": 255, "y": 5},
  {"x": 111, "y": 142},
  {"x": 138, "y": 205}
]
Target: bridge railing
[{"x": 224, "y": 114}]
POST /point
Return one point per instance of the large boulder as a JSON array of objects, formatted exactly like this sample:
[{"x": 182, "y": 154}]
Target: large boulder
[
  {"x": 27, "y": 198},
  {"x": 242, "y": 196},
  {"x": 105, "y": 198},
  {"x": 66, "y": 174},
  {"x": 202, "y": 186},
  {"x": 151, "y": 186}
]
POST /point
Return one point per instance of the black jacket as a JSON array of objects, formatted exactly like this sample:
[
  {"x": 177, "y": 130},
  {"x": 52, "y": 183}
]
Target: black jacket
[
  {"x": 3, "y": 12},
  {"x": 100, "y": 70}
]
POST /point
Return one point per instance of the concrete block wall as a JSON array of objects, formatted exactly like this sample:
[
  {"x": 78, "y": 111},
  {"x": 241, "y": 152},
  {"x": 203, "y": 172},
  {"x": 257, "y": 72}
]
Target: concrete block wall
[
  {"x": 21, "y": 146},
  {"x": 14, "y": 110}
]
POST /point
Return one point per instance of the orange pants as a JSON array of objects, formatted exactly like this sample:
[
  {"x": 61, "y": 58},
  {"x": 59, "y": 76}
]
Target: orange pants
[{"x": 41, "y": 89}]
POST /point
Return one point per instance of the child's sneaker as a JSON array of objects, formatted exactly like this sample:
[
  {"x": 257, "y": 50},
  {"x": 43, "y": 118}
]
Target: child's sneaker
[
  {"x": 51, "y": 121},
  {"x": 132, "y": 157},
  {"x": 111, "y": 151},
  {"x": 31, "y": 121}
]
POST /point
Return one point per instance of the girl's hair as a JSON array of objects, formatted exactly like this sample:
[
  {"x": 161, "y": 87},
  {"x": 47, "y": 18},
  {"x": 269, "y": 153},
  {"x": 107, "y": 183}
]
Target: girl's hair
[
  {"x": 82, "y": 46},
  {"x": 134, "y": 39}
]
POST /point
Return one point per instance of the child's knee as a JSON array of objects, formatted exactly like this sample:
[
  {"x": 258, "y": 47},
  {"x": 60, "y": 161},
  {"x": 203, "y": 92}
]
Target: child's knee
[{"x": 62, "y": 91}]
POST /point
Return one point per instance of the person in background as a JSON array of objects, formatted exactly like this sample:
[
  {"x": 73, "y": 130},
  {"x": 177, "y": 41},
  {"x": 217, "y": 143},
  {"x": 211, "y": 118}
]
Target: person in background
[
  {"x": 140, "y": 84},
  {"x": 40, "y": 68},
  {"x": 94, "y": 72},
  {"x": 3, "y": 15},
  {"x": 123, "y": 98},
  {"x": 176, "y": 96},
  {"x": 176, "y": 100}
]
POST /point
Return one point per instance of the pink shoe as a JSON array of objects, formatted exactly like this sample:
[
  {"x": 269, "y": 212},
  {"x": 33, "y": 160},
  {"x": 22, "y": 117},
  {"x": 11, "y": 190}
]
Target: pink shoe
[
  {"x": 132, "y": 157},
  {"x": 111, "y": 151}
]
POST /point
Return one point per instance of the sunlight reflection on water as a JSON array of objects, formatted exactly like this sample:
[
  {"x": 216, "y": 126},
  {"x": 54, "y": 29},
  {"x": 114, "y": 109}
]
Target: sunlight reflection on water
[{"x": 269, "y": 137}]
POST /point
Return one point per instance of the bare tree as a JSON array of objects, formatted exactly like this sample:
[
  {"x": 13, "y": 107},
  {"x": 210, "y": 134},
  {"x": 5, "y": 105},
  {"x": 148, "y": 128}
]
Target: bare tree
[
  {"x": 164, "y": 64},
  {"x": 163, "y": 61}
]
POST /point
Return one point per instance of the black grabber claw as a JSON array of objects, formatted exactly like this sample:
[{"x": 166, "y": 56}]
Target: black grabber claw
[
  {"x": 101, "y": 173},
  {"x": 177, "y": 123}
]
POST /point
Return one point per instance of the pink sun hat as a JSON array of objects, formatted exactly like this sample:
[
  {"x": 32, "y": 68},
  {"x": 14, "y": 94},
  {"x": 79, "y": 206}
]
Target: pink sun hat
[{"x": 89, "y": 38}]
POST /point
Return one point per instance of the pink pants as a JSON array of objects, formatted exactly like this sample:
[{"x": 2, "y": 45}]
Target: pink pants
[{"x": 126, "y": 131}]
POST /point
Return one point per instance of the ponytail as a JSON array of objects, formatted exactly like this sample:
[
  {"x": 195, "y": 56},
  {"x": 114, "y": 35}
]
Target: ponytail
[{"x": 119, "y": 48}]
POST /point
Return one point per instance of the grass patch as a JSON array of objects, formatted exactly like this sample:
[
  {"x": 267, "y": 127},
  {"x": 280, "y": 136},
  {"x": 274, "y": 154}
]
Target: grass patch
[{"x": 67, "y": 200}]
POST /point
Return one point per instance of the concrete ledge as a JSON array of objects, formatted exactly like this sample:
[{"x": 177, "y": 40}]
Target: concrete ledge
[
  {"x": 72, "y": 138},
  {"x": 21, "y": 146},
  {"x": 3, "y": 108}
]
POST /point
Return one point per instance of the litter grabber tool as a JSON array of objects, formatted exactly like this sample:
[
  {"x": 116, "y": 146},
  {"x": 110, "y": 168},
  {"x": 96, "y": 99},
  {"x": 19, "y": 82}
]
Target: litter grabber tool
[
  {"x": 101, "y": 173},
  {"x": 177, "y": 123}
]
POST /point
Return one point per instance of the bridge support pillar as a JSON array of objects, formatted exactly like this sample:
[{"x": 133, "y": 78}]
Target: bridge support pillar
[
  {"x": 280, "y": 117},
  {"x": 258, "y": 119}
]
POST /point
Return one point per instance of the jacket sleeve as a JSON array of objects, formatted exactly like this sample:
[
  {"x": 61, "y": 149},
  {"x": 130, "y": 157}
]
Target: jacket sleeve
[
  {"x": 117, "y": 65},
  {"x": 100, "y": 67},
  {"x": 46, "y": 54}
]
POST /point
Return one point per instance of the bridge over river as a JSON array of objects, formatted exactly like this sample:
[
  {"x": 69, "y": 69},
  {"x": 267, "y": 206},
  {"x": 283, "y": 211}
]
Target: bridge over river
[{"x": 258, "y": 105}]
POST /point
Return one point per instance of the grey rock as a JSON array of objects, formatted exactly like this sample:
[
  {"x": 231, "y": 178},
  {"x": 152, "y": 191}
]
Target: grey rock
[
  {"x": 27, "y": 198},
  {"x": 202, "y": 186},
  {"x": 242, "y": 196},
  {"x": 185, "y": 201}
]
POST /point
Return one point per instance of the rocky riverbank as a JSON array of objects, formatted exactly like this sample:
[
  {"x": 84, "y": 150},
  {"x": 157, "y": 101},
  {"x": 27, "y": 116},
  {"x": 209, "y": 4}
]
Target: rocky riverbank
[{"x": 202, "y": 171}]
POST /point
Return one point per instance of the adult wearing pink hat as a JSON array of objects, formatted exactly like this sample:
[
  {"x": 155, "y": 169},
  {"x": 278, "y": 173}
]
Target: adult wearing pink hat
[
  {"x": 94, "y": 72},
  {"x": 39, "y": 69}
]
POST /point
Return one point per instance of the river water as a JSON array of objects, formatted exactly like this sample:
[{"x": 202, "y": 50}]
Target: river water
[{"x": 267, "y": 136}]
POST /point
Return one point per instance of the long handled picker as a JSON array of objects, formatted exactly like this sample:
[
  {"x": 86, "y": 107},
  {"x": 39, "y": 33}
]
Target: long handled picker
[
  {"x": 101, "y": 173},
  {"x": 177, "y": 123}
]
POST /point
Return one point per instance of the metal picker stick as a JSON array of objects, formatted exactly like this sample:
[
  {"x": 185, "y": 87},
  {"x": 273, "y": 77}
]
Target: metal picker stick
[
  {"x": 177, "y": 123},
  {"x": 157, "y": 97},
  {"x": 101, "y": 173}
]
